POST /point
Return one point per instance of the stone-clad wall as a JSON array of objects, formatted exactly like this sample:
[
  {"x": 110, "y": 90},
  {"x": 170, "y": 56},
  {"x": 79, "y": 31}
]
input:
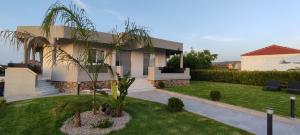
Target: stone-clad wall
[
  {"x": 172, "y": 83},
  {"x": 71, "y": 87}
]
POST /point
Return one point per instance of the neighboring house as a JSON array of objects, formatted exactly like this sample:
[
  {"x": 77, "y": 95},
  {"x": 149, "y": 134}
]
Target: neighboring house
[
  {"x": 134, "y": 60},
  {"x": 270, "y": 58}
]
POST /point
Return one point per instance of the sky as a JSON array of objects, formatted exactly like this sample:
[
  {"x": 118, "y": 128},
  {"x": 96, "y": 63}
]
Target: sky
[{"x": 228, "y": 28}]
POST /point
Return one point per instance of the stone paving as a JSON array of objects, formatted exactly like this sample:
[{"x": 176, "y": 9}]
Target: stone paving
[{"x": 251, "y": 121}]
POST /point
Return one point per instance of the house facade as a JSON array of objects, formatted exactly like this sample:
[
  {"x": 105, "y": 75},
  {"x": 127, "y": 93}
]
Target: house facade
[
  {"x": 134, "y": 60},
  {"x": 271, "y": 58}
]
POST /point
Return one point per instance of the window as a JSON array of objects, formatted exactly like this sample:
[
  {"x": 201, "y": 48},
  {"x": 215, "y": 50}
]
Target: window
[{"x": 95, "y": 56}]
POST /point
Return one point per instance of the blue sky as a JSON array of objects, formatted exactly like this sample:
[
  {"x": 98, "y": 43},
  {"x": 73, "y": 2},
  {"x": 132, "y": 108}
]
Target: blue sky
[{"x": 226, "y": 27}]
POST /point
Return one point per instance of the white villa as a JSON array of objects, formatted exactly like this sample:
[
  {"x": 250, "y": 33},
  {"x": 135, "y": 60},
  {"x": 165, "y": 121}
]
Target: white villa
[
  {"x": 274, "y": 57},
  {"x": 144, "y": 66}
]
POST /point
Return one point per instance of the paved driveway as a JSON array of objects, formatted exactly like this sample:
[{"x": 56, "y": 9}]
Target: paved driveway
[{"x": 249, "y": 121}]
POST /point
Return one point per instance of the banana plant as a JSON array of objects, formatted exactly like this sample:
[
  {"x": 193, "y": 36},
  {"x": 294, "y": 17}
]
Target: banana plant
[{"x": 119, "y": 93}]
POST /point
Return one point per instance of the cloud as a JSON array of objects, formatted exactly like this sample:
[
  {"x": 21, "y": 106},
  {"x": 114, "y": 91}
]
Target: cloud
[
  {"x": 211, "y": 40},
  {"x": 115, "y": 14},
  {"x": 81, "y": 4},
  {"x": 219, "y": 39}
]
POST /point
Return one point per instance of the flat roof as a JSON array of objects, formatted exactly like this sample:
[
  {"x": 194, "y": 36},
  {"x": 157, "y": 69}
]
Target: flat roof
[{"x": 102, "y": 37}]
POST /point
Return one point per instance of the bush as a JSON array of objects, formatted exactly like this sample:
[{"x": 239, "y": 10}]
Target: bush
[
  {"x": 175, "y": 104},
  {"x": 160, "y": 85},
  {"x": 245, "y": 77},
  {"x": 215, "y": 95},
  {"x": 103, "y": 123},
  {"x": 171, "y": 70}
]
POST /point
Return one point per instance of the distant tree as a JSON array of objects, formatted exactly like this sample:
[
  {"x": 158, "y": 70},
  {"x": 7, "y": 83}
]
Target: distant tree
[{"x": 193, "y": 59}]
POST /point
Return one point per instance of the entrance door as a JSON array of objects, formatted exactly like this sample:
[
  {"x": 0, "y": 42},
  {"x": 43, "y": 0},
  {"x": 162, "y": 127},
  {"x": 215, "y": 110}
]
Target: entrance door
[
  {"x": 125, "y": 61},
  {"x": 146, "y": 63}
]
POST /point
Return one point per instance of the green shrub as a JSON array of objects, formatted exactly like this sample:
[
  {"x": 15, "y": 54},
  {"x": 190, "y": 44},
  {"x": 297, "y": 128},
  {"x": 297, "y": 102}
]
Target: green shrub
[
  {"x": 103, "y": 123},
  {"x": 161, "y": 85},
  {"x": 175, "y": 104},
  {"x": 245, "y": 77},
  {"x": 215, "y": 95}
]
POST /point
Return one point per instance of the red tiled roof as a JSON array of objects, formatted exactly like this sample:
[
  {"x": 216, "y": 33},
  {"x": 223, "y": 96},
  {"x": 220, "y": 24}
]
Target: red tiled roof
[{"x": 272, "y": 50}]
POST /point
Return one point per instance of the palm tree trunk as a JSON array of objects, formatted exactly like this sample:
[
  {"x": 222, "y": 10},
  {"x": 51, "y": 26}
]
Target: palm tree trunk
[
  {"x": 77, "y": 119},
  {"x": 94, "y": 98}
]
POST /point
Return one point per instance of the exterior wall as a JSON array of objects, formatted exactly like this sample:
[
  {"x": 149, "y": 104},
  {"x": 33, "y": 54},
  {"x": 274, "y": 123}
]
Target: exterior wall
[
  {"x": 137, "y": 58},
  {"x": 62, "y": 71},
  {"x": 19, "y": 82},
  {"x": 267, "y": 62},
  {"x": 47, "y": 63},
  {"x": 70, "y": 73},
  {"x": 160, "y": 58}
]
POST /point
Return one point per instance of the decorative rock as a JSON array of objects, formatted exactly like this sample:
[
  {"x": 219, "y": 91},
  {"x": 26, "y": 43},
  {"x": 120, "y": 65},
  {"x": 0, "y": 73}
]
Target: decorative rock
[{"x": 88, "y": 118}]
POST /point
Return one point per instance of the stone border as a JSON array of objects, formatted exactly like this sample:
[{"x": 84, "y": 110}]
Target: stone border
[
  {"x": 88, "y": 118},
  {"x": 71, "y": 87}
]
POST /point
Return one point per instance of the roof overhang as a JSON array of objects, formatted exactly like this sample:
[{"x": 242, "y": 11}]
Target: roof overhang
[{"x": 58, "y": 32}]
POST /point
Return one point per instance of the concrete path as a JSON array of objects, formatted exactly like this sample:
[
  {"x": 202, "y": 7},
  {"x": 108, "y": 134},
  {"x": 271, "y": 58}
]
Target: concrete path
[{"x": 249, "y": 120}]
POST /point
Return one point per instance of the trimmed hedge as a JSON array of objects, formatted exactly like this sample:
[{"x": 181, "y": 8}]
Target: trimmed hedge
[{"x": 245, "y": 77}]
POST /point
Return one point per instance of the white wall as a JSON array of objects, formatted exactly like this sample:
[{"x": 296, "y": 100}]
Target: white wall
[
  {"x": 19, "y": 83},
  {"x": 160, "y": 58},
  {"x": 267, "y": 62},
  {"x": 62, "y": 71},
  {"x": 47, "y": 62}
]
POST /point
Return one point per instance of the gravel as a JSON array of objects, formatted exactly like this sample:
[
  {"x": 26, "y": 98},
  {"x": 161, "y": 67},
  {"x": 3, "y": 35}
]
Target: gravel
[{"x": 88, "y": 118}]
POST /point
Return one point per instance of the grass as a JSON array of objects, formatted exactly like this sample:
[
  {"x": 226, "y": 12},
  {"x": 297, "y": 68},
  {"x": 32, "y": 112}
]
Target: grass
[
  {"x": 46, "y": 115},
  {"x": 248, "y": 96}
]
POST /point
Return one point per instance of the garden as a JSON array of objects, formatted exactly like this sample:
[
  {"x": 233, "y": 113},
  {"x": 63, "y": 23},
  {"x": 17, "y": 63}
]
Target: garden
[{"x": 47, "y": 115}]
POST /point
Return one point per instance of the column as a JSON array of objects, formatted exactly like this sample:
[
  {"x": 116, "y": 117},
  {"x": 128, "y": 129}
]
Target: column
[
  {"x": 113, "y": 58},
  {"x": 181, "y": 59},
  {"x": 152, "y": 60}
]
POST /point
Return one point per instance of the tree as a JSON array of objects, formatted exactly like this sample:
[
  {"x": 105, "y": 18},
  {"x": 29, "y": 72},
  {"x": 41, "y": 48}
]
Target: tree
[{"x": 193, "y": 59}]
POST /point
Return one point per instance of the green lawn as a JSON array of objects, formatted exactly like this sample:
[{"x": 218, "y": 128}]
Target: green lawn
[
  {"x": 46, "y": 115},
  {"x": 242, "y": 95}
]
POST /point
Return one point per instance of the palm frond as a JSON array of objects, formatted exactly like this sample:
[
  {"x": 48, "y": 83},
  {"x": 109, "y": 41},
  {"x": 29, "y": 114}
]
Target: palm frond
[
  {"x": 133, "y": 35},
  {"x": 75, "y": 18}
]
